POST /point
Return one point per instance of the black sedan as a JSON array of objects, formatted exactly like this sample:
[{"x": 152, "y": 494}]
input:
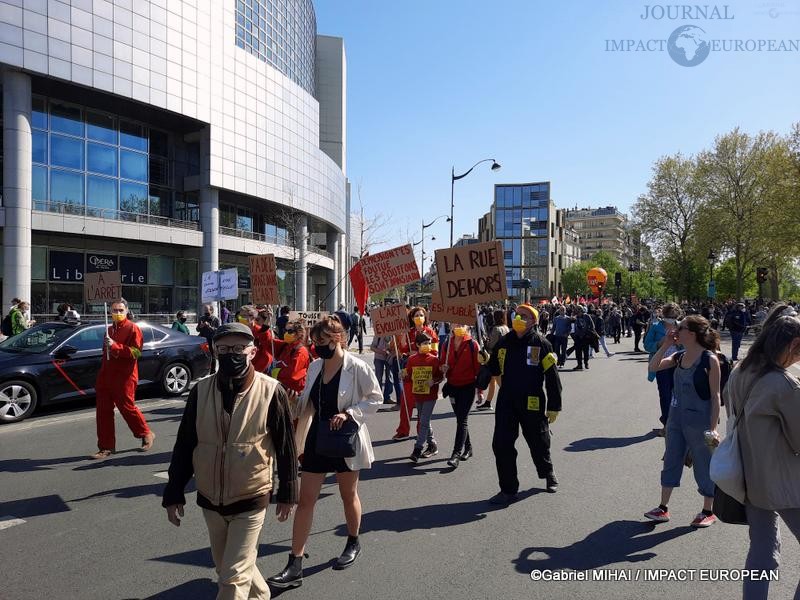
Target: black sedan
[{"x": 57, "y": 362}]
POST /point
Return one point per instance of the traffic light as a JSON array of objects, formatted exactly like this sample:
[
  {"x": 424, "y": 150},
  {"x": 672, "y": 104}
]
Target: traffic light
[{"x": 761, "y": 274}]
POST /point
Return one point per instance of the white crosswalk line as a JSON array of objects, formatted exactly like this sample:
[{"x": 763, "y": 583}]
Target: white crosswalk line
[
  {"x": 161, "y": 475},
  {"x": 6, "y": 522}
]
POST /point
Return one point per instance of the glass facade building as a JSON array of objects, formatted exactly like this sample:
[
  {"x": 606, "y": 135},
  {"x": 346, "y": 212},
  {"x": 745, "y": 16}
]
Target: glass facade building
[{"x": 524, "y": 223}]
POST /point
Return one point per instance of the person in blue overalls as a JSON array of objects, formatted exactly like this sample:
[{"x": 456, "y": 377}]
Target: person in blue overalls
[{"x": 694, "y": 414}]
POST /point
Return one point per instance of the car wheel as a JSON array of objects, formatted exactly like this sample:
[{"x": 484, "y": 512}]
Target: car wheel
[
  {"x": 18, "y": 400},
  {"x": 176, "y": 378}
]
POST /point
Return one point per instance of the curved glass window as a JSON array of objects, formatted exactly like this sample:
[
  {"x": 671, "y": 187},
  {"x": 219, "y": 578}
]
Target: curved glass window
[
  {"x": 66, "y": 119},
  {"x": 66, "y": 152},
  {"x": 39, "y": 149},
  {"x": 133, "y": 197},
  {"x": 132, "y": 135},
  {"x": 66, "y": 187},
  {"x": 100, "y": 127},
  {"x": 101, "y": 192},
  {"x": 101, "y": 159}
]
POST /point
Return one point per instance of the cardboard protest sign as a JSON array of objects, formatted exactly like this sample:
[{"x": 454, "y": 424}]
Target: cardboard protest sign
[
  {"x": 389, "y": 269},
  {"x": 389, "y": 320},
  {"x": 264, "y": 279},
  {"x": 464, "y": 315},
  {"x": 104, "y": 286},
  {"x": 420, "y": 376},
  {"x": 470, "y": 274},
  {"x": 307, "y": 317}
]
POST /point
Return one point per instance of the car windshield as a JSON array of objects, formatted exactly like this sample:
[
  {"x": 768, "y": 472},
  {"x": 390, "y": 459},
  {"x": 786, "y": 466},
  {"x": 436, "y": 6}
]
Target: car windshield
[{"x": 40, "y": 338}]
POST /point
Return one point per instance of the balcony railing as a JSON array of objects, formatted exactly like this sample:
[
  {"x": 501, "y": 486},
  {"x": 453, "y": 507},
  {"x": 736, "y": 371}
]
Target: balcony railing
[
  {"x": 81, "y": 210},
  {"x": 271, "y": 239}
]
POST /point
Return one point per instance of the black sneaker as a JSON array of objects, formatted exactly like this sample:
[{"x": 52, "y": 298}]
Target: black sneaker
[
  {"x": 291, "y": 576},
  {"x": 503, "y": 499},
  {"x": 415, "y": 455},
  {"x": 485, "y": 406},
  {"x": 552, "y": 483},
  {"x": 431, "y": 450},
  {"x": 453, "y": 460},
  {"x": 467, "y": 454}
]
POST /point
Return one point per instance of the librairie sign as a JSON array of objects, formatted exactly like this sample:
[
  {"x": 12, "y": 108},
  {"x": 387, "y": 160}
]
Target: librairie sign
[{"x": 471, "y": 274}]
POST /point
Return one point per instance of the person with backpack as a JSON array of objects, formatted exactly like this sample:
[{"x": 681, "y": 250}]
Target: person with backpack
[
  {"x": 583, "y": 337},
  {"x": 670, "y": 313},
  {"x": 694, "y": 414},
  {"x": 458, "y": 361}
]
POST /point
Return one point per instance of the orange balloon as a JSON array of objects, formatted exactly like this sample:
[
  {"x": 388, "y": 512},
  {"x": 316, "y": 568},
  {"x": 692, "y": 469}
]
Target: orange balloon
[{"x": 596, "y": 278}]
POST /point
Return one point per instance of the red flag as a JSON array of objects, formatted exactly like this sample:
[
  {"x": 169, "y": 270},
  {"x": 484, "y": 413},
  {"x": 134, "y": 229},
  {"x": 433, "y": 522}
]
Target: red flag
[{"x": 359, "y": 284}]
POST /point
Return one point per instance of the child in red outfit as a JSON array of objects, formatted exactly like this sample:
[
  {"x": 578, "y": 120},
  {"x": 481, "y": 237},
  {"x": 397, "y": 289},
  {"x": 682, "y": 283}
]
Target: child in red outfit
[
  {"x": 423, "y": 375},
  {"x": 407, "y": 346},
  {"x": 291, "y": 358}
]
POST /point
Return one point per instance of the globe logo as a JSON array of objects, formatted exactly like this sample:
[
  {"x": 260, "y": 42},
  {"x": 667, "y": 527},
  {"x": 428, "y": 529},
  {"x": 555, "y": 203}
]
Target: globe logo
[{"x": 687, "y": 46}]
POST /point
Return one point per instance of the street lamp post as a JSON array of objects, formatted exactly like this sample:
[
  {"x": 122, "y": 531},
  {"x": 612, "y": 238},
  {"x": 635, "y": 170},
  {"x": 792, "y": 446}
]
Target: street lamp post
[
  {"x": 453, "y": 178},
  {"x": 712, "y": 258}
]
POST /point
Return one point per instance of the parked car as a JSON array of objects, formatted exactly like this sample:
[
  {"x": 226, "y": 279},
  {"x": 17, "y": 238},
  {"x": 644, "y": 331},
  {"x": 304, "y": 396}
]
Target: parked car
[{"x": 58, "y": 362}]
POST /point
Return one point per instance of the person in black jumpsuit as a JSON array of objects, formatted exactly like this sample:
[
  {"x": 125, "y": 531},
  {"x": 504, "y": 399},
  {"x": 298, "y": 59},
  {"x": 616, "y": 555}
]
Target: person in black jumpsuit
[{"x": 530, "y": 398}]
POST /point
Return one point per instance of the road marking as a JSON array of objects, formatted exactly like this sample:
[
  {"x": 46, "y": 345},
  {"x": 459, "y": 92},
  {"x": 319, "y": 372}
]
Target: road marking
[
  {"x": 6, "y": 522},
  {"x": 162, "y": 475},
  {"x": 46, "y": 421}
]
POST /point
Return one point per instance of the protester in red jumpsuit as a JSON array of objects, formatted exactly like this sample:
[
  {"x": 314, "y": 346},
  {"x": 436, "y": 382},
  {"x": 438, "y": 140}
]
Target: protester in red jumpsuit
[{"x": 116, "y": 382}]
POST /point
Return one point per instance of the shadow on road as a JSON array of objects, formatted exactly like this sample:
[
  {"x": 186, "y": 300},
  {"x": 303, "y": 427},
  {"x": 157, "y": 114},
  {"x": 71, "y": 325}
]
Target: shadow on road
[
  {"x": 139, "y": 458},
  {"x": 616, "y": 542},
  {"x": 34, "y": 507},
  {"x": 24, "y": 465},
  {"x": 198, "y": 588},
  {"x": 601, "y": 443}
]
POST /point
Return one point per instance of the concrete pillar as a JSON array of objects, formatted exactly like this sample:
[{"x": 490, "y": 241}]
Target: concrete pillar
[
  {"x": 335, "y": 274},
  {"x": 209, "y": 223},
  {"x": 301, "y": 268},
  {"x": 16, "y": 187}
]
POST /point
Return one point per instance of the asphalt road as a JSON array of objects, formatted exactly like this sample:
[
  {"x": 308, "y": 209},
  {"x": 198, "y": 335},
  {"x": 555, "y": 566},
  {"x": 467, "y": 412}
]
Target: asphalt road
[{"x": 77, "y": 529}]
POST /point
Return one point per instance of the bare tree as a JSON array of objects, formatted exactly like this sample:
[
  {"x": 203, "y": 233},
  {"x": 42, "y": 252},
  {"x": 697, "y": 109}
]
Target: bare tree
[{"x": 372, "y": 230}]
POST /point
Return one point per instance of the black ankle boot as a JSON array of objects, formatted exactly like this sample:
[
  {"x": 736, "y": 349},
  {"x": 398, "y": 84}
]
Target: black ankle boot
[
  {"x": 291, "y": 576},
  {"x": 351, "y": 552}
]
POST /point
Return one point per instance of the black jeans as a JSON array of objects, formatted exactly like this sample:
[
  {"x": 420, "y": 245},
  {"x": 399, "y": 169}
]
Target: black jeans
[
  {"x": 463, "y": 396},
  {"x": 637, "y": 336},
  {"x": 360, "y": 336},
  {"x": 582, "y": 352},
  {"x": 561, "y": 348},
  {"x": 510, "y": 415}
]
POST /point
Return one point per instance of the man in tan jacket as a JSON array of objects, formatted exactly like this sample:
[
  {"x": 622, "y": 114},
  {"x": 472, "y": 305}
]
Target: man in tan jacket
[{"x": 235, "y": 424}]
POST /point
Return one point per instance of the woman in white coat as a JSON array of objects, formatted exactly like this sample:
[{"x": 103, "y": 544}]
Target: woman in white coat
[{"x": 339, "y": 388}]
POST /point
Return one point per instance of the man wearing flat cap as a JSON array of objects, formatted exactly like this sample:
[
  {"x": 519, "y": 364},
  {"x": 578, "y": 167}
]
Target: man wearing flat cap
[
  {"x": 530, "y": 399},
  {"x": 236, "y": 423}
]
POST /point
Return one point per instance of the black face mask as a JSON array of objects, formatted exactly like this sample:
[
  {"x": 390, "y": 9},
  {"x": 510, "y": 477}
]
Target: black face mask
[
  {"x": 233, "y": 365},
  {"x": 325, "y": 352},
  {"x": 183, "y": 319}
]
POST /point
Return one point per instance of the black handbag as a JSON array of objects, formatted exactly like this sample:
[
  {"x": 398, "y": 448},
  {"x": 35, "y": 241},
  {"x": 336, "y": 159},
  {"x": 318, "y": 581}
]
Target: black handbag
[
  {"x": 337, "y": 443},
  {"x": 728, "y": 509}
]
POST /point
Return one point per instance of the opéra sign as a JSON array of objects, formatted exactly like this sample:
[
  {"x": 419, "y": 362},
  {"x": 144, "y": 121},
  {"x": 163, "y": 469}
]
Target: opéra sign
[
  {"x": 470, "y": 274},
  {"x": 389, "y": 269},
  {"x": 389, "y": 320},
  {"x": 264, "y": 279}
]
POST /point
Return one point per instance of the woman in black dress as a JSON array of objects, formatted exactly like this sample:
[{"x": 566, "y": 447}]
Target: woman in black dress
[{"x": 339, "y": 388}]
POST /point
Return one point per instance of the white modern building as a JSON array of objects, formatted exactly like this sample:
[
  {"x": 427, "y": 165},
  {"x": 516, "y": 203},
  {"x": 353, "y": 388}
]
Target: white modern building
[{"x": 166, "y": 138}]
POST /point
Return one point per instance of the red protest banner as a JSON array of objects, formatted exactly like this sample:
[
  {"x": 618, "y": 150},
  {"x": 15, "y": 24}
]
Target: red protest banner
[
  {"x": 264, "y": 279},
  {"x": 463, "y": 315},
  {"x": 389, "y": 320},
  {"x": 389, "y": 269},
  {"x": 470, "y": 274}
]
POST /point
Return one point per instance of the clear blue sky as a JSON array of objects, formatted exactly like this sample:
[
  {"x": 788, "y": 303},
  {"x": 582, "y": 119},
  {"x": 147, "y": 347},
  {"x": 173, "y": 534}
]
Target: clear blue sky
[{"x": 446, "y": 83}]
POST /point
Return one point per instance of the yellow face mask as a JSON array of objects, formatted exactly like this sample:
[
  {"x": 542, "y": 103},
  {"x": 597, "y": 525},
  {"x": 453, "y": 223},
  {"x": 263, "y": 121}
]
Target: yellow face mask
[
  {"x": 118, "y": 317},
  {"x": 289, "y": 338},
  {"x": 419, "y": 320},
  {"x": 243, "y": 320},
  {"x": 459, "y": 331},
  {"x": 425, "y": 348},
  {"x": 519, "y": 325}
]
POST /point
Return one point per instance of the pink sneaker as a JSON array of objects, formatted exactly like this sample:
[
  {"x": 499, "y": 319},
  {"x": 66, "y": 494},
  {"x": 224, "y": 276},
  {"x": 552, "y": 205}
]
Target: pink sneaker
[
  {"x": 659, "y": 516},
  {"x": 702, "y": 520}
]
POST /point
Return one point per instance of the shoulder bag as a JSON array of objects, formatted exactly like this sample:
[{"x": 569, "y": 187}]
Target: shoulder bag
[{"x": 336, "y": 443}]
